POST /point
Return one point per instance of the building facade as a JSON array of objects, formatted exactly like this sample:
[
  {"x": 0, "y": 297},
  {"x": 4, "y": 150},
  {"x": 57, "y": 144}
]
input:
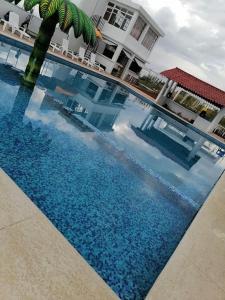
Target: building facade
[{"x": 129, "y": 35}]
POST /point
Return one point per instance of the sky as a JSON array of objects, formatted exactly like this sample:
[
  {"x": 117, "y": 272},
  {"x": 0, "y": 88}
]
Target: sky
[{"x": 194, "y": 37}]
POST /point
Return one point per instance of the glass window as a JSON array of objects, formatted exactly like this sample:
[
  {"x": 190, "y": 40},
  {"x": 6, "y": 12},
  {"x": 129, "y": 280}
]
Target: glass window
[
  {"x": 138, "y": 28},
  {"x": 118, "y": 16},
  {"x": 109, "y": 50},
  {"x": 149, "y": 39}
]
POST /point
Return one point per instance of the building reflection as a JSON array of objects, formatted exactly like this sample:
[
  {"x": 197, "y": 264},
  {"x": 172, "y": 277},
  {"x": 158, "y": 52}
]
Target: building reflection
[
  {"x": 21, "y": 143},
  {"x": 85, "y": 99},
  {"x": 172, "y": 138}
]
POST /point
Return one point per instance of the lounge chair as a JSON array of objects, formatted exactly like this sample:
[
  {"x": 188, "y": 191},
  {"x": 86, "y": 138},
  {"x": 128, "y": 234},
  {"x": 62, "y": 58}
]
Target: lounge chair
[
  {"x": 13, "y": 24},
  {"x": 81, "y": 56},
  {"x": 55, "y": 46},
  {"x": 92, "y": 62},
  {"x": 64, "y": 49}
]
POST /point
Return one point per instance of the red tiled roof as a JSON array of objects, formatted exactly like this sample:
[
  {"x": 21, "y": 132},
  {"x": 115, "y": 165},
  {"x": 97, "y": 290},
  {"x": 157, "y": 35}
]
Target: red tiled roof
[{"x": 196, "y": 86}]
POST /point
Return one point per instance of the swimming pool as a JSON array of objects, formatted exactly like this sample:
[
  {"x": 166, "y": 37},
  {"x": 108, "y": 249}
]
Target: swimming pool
[{"x": 117, "y": 193}]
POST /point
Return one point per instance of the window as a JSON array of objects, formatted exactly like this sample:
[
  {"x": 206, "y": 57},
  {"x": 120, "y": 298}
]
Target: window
[
  {"x": 118, "y": 16},
  {"x": 149, "y": 39},
  {"x": 136, "y": 66},
  {"x": 106, "y": 48},
  {"x": 109, "y": 50},
  {"x": 138, "y": 28}
]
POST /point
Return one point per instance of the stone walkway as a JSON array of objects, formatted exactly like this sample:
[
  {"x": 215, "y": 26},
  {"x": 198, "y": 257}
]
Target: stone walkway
[{"x": 36, "y": 261}]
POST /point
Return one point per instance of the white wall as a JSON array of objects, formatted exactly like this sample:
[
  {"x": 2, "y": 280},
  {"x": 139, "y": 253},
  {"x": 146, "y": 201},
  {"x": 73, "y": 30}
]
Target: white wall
[
  {"x": 202, "y": 124},
  {"x": 92, "y": 7},
  {"x": 6, "y": 6}
]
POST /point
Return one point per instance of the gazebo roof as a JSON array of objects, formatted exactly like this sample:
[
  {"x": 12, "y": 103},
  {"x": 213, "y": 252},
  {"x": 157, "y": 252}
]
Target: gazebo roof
[{"x": 196, "y": 86}]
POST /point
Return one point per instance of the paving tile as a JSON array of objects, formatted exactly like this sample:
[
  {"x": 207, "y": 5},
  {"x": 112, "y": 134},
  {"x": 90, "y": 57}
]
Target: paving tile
[
  {"x": 38, "y": 263},
  {"x": 14, "y": 205}
]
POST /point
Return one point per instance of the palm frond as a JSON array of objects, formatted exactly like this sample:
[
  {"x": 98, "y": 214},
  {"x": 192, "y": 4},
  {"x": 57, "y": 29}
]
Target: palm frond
[
  {"x": 75, "y": 18},
  {"x": 43, "y": 7},
  {"x": 29, "y": 4},
  {"x": 53, "y": 7},
  {"x": 65, "y": 16}
]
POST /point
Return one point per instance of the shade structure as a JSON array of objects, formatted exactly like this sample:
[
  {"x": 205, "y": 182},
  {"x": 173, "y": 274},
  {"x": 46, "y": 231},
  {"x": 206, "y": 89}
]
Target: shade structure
[
  {"x": 128, "y": 55},
  {"x": 197, "y": 86}
]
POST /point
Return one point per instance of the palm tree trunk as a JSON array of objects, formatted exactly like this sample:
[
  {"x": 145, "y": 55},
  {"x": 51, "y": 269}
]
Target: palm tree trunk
[{"x": 39, "y": 51}]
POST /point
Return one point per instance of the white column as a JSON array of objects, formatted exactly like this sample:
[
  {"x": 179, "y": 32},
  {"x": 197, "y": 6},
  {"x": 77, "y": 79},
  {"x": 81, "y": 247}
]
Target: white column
[
  {"x": 169, "y": 88},
  {"x": 148, "y": 119},
  {"x": 117, "y": 53},
  {"x": 173, "y": 87},
  {"x": 114, "y": 92},
  {"x": 98, "y": 94},
  {"x": 126, "y": 69},
  {"x": 216, "y": 120},
  {"x": 161, "y": 99},
  {"x": 162, "y": 90},
  {"x": 196, "y": 148},
  {"x": 100, "y": 120}
]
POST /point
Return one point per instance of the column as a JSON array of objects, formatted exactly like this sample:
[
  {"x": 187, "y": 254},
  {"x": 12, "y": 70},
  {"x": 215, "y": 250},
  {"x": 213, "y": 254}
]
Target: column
[
  {"x": 126, "y": 69},
  {"x": 160, "y": 97},
  {"x": 173, "y": 87},
  {"x": 98, "y": 94},
  {"x": 169, "y": 88},
  {"x": 196, "y": 148},
  {"x": 114, "y": 59},
  {"x": 117, "y": 53},
  {"x": 216, "y": 120},
  {"x": 148, "y": 119},
  {"x": 114, "y": 92}
]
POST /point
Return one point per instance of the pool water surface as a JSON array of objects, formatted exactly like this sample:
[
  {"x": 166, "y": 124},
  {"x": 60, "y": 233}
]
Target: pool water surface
[{"x": 118, "y": 199}]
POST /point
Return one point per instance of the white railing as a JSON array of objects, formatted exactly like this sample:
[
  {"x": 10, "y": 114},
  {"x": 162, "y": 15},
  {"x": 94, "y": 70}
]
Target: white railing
[{"x": 219, "y": 130}]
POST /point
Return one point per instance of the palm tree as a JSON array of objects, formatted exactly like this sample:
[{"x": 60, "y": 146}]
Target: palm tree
[{"x": 53, "y": 12}]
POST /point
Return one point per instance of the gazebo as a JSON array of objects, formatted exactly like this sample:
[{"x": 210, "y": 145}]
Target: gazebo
[{"x": 214, "y": 97}]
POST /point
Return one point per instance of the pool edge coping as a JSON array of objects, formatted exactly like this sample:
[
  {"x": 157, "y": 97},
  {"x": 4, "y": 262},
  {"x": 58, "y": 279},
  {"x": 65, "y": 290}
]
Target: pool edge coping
[
  {"x": 17, "y": 210},
  {"x": 191, "y": 272}
]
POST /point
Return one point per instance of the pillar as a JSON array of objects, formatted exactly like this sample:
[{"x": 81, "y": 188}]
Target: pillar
[
  {"x": 196, "y": 148},
  {"x": 98, "y": 94},
  {"x": 126, "y": 69},
  {"x": 114, "y": 92},
  {"x": 162, "y": 90},
  {"x": 216, "y": 120}
]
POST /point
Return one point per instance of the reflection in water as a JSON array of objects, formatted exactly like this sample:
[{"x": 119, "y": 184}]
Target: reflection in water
[
  {"x": 124, "y": 222},
  {"x": 171, "y": 141},
  {"x": 86, "y": 100},
  {"x": 19, "y": 137}
]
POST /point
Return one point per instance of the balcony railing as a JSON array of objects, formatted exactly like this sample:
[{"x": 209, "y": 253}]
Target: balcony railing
[{"x": 220, "y": 131}]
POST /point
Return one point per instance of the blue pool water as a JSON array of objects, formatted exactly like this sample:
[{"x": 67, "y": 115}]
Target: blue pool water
[{"x": 122, "y": 202}]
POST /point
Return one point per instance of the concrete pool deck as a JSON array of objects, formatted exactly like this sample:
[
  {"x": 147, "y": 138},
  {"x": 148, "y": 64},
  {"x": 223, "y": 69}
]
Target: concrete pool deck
[
  {"x": 196, "y": 270},
  {"x": 36, "y": 261}
]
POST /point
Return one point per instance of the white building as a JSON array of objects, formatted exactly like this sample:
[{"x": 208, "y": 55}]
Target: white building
[
  {"x": 128, "y": 30},
  {"x": 129, "y": 34}
]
